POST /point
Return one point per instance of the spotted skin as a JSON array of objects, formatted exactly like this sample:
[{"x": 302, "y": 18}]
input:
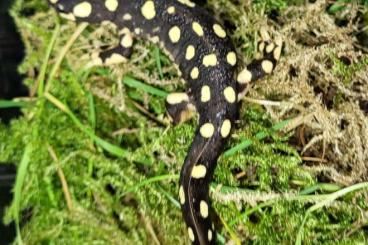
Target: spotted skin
[{"x": 206, "y": 60}]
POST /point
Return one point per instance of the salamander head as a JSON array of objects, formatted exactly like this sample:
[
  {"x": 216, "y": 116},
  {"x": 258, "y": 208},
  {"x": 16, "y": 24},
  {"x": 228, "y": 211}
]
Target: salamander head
[{"x": 93, "y": 11}]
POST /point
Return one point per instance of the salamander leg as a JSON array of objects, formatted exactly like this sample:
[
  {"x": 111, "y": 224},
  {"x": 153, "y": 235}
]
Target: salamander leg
[
  {"x": 260, "y": 67},
  {"x": 115, "y": 55},
  {"x": 179, "y": 107}
]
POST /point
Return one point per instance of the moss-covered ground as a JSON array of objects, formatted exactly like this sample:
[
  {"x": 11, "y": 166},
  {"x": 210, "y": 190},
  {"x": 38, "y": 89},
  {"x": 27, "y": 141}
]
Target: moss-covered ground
[{"x": 98, "y": 161}]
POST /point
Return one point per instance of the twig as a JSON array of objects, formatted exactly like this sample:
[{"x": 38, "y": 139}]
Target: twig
[
  {"x": 124, "y": 131},
  {"x": 314, "y": 159},
  {"x": 63, "y": 52},
  {"x": 148, "y": 114},
  {"x": 62, "y": 178},
  {"x": 150, "y": 229}
]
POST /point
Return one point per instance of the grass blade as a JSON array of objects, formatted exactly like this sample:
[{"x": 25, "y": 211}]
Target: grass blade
[
  {"x": 61, "y": 55},
  {"x": 21, "y": 174},
  {"x": 259, "y": 136},
  {"x": 152, "y": 180},
  {"x": 327, "y": 201},
  {"x": 169, "y": 196},
  {"x": 321, "y": 186},
  {"x": 112, "y": 149},
  {"x": 12, "y": 104},
  {"x": 41, "y": 77},
  {"x": 131, "y": 82},
  {"x": 92, "y": 110}
]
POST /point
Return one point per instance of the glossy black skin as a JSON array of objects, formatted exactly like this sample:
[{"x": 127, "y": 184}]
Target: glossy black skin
[{"x": 202, "y": 150}]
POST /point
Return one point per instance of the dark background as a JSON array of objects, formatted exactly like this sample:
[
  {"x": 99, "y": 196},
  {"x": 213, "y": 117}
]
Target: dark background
[{"x": 11, "y": 54}]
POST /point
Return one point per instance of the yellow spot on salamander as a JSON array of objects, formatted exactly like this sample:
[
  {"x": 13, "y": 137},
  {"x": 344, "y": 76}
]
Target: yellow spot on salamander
[
  {"x": 127, "y": 41},
  {"x": 205, "y": 94},
  {"x": 207, "y": 130},
  {"x": 209, "y": 235},
  {"x": 267, "y": 66},
  {"x": 82, "y": 10},
  {"x": 181, "y": 195},
  {"x": 148, "y": 10},
  {"x": 197, "y": 28},
  {"x": 138, "y": 31},
  {"x": 191, "y": 234},
  {"x": 277, "y": 53},
  {"x": 115, "y": 59},
  {"x": 187, "y": 2},
  {"x": 111, "y": 5},
  {"x": 225, "y": 128},
  {"x": 210, "y": 60},
  {"x": 199, "y": 171},
  {"x": 194, "y": 74},
  {"x": 230, "y": 95},
  {"x": 174, "y": 34},
  {"x": 261, "y": 47},
  {"x": 270, "y": 48},
  {"x": 127, "y": 17},
  {"x": 220, "y": 32},
  {"x": 171, "y": 10},
  {"x": 177, "y": 98},
  {"x": 231, "y": 58},
  {"x": 190, "y": 52},
  {"x": 245, "y": 76},
  {"x": 203, "y": 208}
]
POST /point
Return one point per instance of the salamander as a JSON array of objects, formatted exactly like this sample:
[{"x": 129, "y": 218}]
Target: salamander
[{"x": 206, "y": 60}]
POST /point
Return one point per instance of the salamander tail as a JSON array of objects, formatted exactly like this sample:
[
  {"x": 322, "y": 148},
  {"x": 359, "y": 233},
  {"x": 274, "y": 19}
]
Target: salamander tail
[{"x": 196, "y": 175}]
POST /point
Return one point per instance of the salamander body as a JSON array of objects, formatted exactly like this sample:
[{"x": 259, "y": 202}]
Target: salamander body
[{"x": 207, "y": 61}]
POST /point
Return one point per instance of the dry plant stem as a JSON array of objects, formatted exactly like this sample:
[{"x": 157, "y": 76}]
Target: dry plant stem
[
  {"x": 62, "y": 178},
  {"x": 150, "y": 229},
  {"x": 148, "y": 114},
  {"x": 299, "y": 120},
  {"x": 314, "y": 159},
  {"x": 63, "y": 52},
  {"x": 319, "y": 75},
  {"x": 124, "y": 131}
]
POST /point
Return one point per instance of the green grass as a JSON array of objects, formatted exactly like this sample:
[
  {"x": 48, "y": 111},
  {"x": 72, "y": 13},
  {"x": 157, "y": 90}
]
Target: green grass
[
  {"x": 259, "y": 136},
  {"x": 121, "y": 158},
  {"x": 112, "y": 149},
  {"x": 4, "y": 104},
  {"x": 131, "y": 82},
  {"x": 15, "y": 210}
]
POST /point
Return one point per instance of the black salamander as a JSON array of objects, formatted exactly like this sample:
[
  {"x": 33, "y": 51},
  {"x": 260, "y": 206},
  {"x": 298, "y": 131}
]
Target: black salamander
[{"x": 206, "y": 59}]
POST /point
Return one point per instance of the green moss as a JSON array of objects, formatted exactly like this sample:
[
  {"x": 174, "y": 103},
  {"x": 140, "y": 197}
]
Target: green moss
[
  {"x": 346, "y": 69},
  {"x": 132, "y": 199}
]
